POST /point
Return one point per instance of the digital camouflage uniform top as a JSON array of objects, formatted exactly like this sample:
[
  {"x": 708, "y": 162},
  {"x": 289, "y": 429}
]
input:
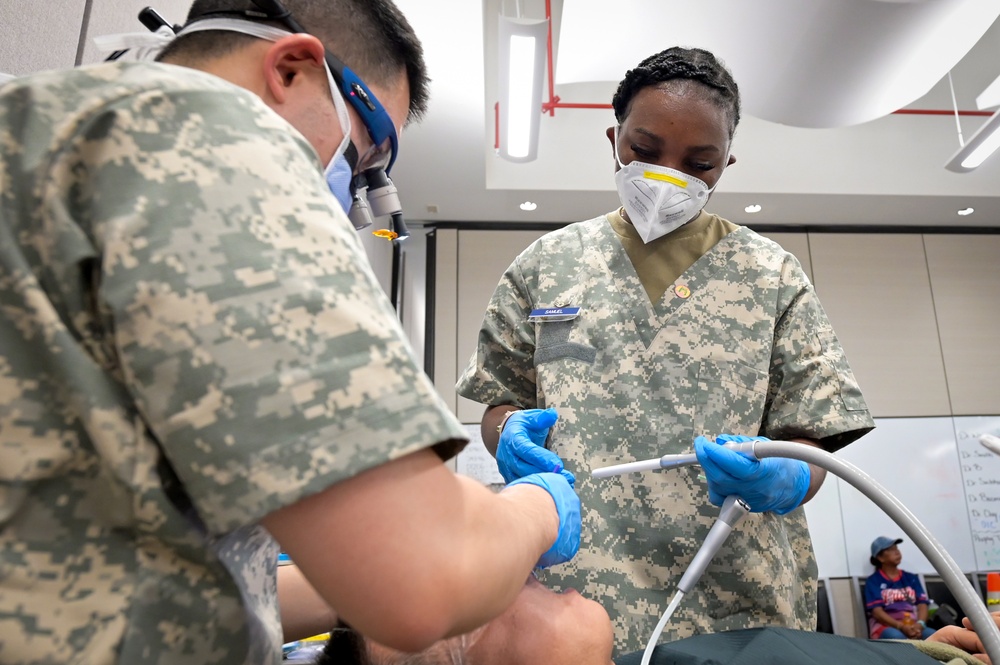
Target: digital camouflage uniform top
[
  {"x": 739, "y": 344},
  {"x": 190, "y": 338}
]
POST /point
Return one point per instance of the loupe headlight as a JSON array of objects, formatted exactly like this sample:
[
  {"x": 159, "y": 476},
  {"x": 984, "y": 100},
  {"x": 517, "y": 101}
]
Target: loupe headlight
[
  {"x": 359, "y": 214},
  {"x": 382, "y": 200}
]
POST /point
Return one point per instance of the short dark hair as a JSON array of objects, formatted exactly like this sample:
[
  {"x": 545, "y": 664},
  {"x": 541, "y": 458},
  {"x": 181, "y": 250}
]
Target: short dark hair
[
  {"x": 344, "y": 647},
  {"x": 681, "y": 64},
  {"x": 371, "y": 37},
  {"x": 348, "y": 647}
]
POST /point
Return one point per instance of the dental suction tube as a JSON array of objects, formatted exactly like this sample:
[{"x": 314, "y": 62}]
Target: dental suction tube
[
  {"x": 733, "y": 510},
  {"x": 967, "y": 598},
  {"x": 938, "y": 556}
]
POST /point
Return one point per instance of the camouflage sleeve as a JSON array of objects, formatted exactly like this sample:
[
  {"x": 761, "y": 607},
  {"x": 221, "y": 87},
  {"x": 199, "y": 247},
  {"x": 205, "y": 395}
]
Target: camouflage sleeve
[
  {"x": 249, "y": 329},
  {"x": 812, "y": 392},
  {"x": 502, "y": 369}
]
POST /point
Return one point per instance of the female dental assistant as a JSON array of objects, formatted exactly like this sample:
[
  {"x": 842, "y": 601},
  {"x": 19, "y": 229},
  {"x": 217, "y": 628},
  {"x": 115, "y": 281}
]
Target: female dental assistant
[{"x": 688, "y": 327}]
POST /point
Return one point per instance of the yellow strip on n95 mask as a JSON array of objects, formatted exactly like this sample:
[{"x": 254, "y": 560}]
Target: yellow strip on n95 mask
[{"x": 653, "y": 175}]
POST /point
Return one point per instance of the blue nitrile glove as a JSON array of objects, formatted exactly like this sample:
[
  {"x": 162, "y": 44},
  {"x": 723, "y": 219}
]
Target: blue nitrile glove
[
  {"x": 568, "y": 507},
  {"x": 522, "y": 452},
  {"x": 772, "y": 484}
]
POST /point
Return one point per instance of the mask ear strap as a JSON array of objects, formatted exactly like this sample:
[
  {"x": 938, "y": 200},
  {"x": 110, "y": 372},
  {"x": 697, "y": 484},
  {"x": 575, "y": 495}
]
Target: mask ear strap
[
  {"x": 270, "y": 33},
  {"x": 343, "y": 115}
]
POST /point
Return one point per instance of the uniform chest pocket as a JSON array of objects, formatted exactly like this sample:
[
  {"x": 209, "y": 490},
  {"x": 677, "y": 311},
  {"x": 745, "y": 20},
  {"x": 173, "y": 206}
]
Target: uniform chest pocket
[
  {"x": 552, "y": 343},
  {"x": 731, "y": 398}
]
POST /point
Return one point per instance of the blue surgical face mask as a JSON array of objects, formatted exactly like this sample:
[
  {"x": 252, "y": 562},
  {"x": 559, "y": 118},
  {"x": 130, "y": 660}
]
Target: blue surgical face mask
[{"x": 340, "y": 176}]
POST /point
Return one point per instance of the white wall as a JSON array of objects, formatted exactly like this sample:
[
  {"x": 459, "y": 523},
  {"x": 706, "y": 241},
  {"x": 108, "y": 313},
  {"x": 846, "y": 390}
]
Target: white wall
[
  {"x": 917, "y": 314},
  {"x": 24, "y": 26}
]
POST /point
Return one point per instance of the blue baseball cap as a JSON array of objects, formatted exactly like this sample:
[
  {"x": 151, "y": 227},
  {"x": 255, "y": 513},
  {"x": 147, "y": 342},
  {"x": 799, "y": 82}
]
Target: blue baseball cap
[{"x": 883, "y": 543}]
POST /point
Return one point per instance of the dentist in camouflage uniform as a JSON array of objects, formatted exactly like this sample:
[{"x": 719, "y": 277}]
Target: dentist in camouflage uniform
[
  {"x": 655, "y": 329},
  {"x": 197, "y": 365}
]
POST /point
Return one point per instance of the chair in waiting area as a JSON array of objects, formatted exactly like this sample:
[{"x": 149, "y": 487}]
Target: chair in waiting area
[
  {"x": 939, "y": 592},
  {"x": 825, "y": 618},
  {"x": 859, "y": 590}
]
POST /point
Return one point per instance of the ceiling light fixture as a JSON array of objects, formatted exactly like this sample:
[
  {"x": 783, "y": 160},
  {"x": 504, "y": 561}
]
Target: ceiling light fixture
[
  {"x": 990, "y": 96},
  {"x": 966, "y": 211},
  {"x": 751, "y": 209},
  {"x": 982, "y": 144},
  {"x": 528, "y": 206},
  {"x": 521, "y": 78}
]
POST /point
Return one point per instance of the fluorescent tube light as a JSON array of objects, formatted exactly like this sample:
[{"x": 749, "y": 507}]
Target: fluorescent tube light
[
  {"x": 521, "y": 78},
  {"x": 989, "y": 97},
  {"x": 982, "y": 144}
]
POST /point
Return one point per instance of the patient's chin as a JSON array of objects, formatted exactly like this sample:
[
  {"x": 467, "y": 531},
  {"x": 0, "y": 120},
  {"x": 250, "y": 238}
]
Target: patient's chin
[{"x": 546, "y": 627}]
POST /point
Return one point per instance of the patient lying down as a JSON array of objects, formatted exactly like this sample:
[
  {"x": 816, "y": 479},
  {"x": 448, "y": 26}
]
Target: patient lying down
[{"x": 543, "y": 627}]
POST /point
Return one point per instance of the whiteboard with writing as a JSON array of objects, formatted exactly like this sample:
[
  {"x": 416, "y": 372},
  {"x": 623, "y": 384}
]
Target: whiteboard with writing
[
  {"x": 476, "y": 461},
  {"x": 981, "y": 483},
  {"x": 917, "y": 461}
]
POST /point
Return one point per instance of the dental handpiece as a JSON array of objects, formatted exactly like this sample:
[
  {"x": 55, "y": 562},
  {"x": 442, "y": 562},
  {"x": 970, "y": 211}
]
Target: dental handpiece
[{"x": 665, "y": 462}]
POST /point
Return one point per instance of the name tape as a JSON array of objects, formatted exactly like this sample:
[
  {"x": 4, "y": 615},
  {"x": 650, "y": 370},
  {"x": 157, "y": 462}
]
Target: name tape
[{"x": 554, "y": 314}]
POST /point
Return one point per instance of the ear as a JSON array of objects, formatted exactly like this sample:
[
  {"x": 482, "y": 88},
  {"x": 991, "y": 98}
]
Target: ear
[
  {"x": 732, "y": 160},
  {"x": 287, "y": 60},
  {"x": 610, "y": 133}
]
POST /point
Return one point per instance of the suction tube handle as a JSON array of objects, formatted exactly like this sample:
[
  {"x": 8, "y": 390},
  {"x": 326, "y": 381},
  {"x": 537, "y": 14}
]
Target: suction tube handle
[{"x": 733, "y": 510}]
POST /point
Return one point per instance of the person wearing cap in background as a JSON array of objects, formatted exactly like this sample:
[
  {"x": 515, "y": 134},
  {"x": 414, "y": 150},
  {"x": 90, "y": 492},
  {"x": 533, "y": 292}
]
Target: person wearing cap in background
[
  {"x": 895, "y": 600},
  {"x": 198, "y": 365}
]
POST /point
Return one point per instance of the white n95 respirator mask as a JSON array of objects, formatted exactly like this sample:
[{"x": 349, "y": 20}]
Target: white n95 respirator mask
[{"x": 658, "y": 199}]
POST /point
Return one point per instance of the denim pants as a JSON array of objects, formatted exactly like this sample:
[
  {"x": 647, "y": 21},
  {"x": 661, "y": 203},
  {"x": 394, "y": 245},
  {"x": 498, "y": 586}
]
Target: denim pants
[{"x": 895, "y": 634}]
